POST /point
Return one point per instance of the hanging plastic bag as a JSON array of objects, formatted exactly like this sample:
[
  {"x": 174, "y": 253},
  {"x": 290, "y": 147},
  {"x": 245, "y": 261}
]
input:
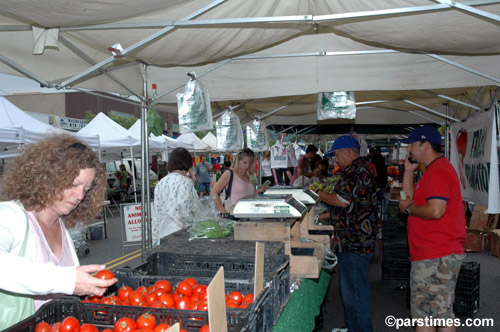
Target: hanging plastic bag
[
  {"x": 336, "y": 105},
  {"x": 257, "y": 139},
  {"x": 229, "y": 132},
  {"x": 292, "y": 155},
  {"x": 279, "y": 157},
  {"x": 207, "y": 223},
  {"x": 195, "y": 113}
]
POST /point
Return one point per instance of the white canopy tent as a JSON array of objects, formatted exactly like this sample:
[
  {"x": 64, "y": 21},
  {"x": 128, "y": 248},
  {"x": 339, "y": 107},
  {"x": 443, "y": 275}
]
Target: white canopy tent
[
  {"x": 198, "y": 145},
  {"x": 17, "y": 128},
  {"x": 169, "y": 142},
  {"x": 211, "y": 140}
]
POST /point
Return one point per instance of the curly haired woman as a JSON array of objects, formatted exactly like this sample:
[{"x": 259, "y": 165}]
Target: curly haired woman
[{"x": 53, "y": 184}]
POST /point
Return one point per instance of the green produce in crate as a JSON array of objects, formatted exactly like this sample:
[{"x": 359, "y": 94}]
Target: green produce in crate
[{"x": 211, "y": 229}]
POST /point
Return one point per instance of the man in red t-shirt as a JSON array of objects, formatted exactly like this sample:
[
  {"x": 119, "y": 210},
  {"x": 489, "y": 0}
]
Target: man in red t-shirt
[{"x": 436, "y": 227}]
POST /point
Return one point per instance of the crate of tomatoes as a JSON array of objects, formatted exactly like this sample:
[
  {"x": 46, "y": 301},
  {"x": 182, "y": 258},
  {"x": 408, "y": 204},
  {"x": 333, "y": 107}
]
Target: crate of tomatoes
[
  {"x": 69, "y": 314},
  {"x": 177, "y": 255},
  {"x": 243, "y": 312}
]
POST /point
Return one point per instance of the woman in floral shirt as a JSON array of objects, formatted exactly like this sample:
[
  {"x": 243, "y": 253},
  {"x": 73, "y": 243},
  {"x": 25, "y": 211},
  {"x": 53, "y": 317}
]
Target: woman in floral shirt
[{"x": 176, "y": 199}]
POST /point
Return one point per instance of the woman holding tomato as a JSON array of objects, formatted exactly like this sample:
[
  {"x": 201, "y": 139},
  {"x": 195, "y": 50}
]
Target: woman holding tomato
[
  {"x": 241, "y": 185},
  {"x": 53, "y": 184},
  {"x": 176, "y": 200}
]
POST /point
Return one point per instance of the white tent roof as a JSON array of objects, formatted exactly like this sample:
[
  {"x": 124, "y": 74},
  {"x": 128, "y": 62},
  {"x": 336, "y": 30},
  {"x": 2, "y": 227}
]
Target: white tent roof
[
  {"x": 169, "y": 142},
  {"x": 211, "y": 140},
  {"x": 199, "y": 145},
  {"x": 116, "y": 142},
  {"x": 403, "y": 56},
  {"x": 19, "y": 127}
]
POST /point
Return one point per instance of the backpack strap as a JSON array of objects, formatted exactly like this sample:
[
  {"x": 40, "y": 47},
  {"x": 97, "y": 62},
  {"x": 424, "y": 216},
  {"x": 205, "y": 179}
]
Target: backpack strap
[{"x": 229, "y": 185}]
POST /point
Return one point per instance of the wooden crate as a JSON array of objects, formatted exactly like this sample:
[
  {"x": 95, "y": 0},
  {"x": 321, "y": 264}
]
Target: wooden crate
[{"x": 289, "y": 232}]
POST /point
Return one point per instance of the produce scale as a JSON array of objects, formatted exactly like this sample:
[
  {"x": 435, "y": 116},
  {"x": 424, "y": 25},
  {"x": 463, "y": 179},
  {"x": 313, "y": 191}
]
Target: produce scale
[{"x": 283, "y": 218}]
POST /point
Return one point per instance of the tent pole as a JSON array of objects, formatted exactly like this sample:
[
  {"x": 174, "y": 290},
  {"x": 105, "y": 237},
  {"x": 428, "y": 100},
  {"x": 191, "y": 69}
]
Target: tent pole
[{"x": 147, "y": 242}]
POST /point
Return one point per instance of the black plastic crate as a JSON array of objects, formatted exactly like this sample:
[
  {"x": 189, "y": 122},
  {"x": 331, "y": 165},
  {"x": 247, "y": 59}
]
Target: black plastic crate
[
  {"x": 258, "y": 316},
  {"x": 394, "y": 284},
  {"x": 389, "y": 210},
  {"x": 466, "y": 304},
  {"x": 395, "y": 270},
  {"x": 176, "y": 255},
  {"x": 105, "y": 315},
  {"x": 394, "y": 236},
  {"x": 395, "y": 252}
]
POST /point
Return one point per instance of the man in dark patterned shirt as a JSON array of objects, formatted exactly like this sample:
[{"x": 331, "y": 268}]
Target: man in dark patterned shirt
[{"x": 354, "y": 216}]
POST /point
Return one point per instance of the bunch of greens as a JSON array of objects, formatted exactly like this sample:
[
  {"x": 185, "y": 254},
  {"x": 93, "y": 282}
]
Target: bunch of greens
[{"x": 211, "y": 229}]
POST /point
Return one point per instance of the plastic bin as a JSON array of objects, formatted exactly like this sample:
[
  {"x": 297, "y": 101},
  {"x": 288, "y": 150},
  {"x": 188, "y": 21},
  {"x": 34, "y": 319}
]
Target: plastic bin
[
  {"x": 96, "y": 232},
  {"x": 467, "y": 289},
  {"x": 256, "y": 317}
]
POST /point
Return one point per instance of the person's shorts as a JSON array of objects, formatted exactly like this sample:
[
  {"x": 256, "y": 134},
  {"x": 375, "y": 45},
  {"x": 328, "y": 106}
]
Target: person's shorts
[
  {"x": 432, "y": 284},
  {"x": 204, "y": 187}
]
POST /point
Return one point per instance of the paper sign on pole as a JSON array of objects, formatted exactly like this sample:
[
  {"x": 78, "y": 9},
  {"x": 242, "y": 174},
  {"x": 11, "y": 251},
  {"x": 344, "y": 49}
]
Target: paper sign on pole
[
  {"x": 473, "y": 153},
  {"x": 132, "y": 222}
]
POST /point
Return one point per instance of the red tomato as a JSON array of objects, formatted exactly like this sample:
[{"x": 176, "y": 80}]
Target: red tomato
[
  {"x": 105, "y": 275},
  {"x": 106, "y": 300},
  {"x": 125, "y": 324},
  {"x": 167, "y": 299},
  {"x": 70, "y": 324},
  {"x": 156, "y": 304},
  {"x": 185, "y": 288},
  {"x": 161, "y": 327},
  {"x": 237, "y": 296},
  {"x": 164, "y": 284},
  {"x": 232, "y": 304},
  {"x": 205, "y": 328},
  {"x": 142, "y": 289},
  {"x": 124, "y": 292},
  {"x": 194, "y": 297},
  {"x": 183, "y": 303},
  {"x": 87, "y": 327},
  {"x": 146, "y": 321},
  {"x": 199, "y": 288},
  {"x": 193, "y": 305},
  {"x": 203, "y": 295},
  {"x": 55, "y": 327},
  {"x": 95, "y": 298},
  {"x": 159, "y": 291},
  {"x": 150, "y": 297},
  {"x": 191, "y": 281},
  {"x": 42, "y": 327},
  {"x": 135, "y": 298},
  {"x": 203, "y": 306},
  {"x": 248, "y": 298}
]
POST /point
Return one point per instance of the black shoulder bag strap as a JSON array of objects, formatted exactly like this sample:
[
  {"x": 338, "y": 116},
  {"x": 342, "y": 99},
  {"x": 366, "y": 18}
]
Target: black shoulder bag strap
[{"x": 229, "y": 185}]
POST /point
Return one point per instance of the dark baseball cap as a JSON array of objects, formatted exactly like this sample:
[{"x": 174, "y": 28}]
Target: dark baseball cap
[{"x": 423, "y": 134}]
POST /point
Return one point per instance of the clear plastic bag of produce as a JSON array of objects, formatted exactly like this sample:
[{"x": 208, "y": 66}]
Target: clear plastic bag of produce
[
  {"x": 207, "y": 223},
  {"x": 195, "y": 113},
  {"x": 229, "y": 132},
  {"x": 336, "y": 105},
  {"x": 257, "y": 136}
]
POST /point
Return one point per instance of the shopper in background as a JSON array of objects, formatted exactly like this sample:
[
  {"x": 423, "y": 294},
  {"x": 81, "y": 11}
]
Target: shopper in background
[
  {"x": 124, "y": 177},
  {"x": 378, "y": 160},
  {"x": 53, "y": 184},
  {"x": 176, "y": 199},
  {"x": 304, "y": 167},
  {"x": 436, "y": 227},
  {"x": 203, "y": 177},
  {"x": 267, "y": 172},
  {"x": 354, "y": 217},
  {"x": 240, "y": 186}
]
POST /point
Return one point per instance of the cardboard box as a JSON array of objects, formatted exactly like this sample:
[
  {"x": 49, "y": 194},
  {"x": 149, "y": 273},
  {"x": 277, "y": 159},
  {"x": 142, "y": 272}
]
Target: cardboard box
[
  {"x": 474, "y": 240},
  {"x": 494, "y": 240},
  {"x": 481, "y": 221}
]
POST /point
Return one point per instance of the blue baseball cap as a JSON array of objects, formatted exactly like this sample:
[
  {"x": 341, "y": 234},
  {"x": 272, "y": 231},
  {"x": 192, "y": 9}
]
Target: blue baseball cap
[
  {"x": 423, "y": 134},
  {"x": 343, "y": 142}
]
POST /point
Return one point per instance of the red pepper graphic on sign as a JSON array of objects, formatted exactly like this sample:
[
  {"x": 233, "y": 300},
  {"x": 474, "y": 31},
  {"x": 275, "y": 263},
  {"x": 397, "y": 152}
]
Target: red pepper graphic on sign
[{"x": 462, "y": 150}]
